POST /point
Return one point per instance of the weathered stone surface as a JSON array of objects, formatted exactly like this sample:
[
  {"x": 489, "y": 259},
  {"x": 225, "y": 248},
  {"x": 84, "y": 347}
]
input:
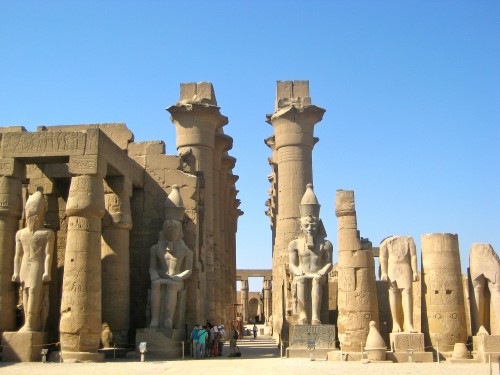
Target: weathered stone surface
[
  {"x": 443, "y": 309},
  {"x": 323, "y": 335},
  {"x": 146, "y": 148},
  {"x": 402, "y": 341},
  {"x": 23, "y": 346},
  {"x": 485, "y": 282}
]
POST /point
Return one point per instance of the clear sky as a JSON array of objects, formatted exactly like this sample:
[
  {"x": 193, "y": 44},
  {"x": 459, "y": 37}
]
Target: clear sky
[{"x": 411, "y": 91}]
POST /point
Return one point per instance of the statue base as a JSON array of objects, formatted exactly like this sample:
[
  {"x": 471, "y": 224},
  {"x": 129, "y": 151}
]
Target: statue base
[
  {"x": 82, "y": 357},
  {"x": 161, "y": 343},
  {"x": 23, "y": 346},
  {"x": 322, "y": 334},
  {"x": 402, "y": 342},
  {"x": 485, "y": 347},
  {"x": 408, "y": 347}
]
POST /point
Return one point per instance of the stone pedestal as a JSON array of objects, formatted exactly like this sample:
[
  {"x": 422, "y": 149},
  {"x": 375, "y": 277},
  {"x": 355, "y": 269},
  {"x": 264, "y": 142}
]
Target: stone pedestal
[
  {"x": 408, "y": 347},
  {"x": 323, "y": 335},
  {"x": 484, "y": 347},
  {"x": 161, "y": 343},
  {"x": 23, "y": 346}
]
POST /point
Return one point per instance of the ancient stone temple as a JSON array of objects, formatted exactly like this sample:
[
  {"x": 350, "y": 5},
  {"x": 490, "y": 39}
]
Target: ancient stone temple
[
  {"x": 291, "y": 144},
  {"x": 101, "y": 199}
]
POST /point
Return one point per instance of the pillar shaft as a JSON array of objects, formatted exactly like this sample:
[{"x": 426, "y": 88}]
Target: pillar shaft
[
  {"x": 80, "y": 325},
  {"x": 293, "y": 123},
  {"x": 115, "y": 257},
  {"x": 357, "y": 293},
  {"x": 10, "y": 212},
  {"x": 244, "y": 300},
  {"x": 267, "y": 300},
  {"x": 196, "y": 118},
  {"x": 444, "y": 316}
]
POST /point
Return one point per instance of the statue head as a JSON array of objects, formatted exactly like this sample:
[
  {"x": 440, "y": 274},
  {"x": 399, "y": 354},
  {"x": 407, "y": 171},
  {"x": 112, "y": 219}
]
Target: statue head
[
  {"x": 309, "y": 215},
  {"x": 35, "y": 211},
  {"x": 172, "y": 230}
]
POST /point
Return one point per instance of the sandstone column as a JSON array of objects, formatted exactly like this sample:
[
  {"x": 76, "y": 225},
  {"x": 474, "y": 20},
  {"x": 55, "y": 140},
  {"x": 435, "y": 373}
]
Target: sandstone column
[
  {"x": 357, "y": 293},
  {"x": 80, "y": 325},
  {"x": 244, "y": 300},
  {"x": 230, "y": 287},
  {"x": 443, "y": 308},
  {"x": 267, "y": 300},
  {"x": 11, "y": 173},
  {"x": 293, "y": 123},
  {"x": 196, "y": 118},
  {"x": 115, "y": 263},
  {"x": 223, "y": 143}
]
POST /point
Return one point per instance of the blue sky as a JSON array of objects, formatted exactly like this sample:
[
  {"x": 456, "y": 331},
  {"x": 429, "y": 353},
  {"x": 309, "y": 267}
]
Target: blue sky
[{"x": 411, "y": 89}]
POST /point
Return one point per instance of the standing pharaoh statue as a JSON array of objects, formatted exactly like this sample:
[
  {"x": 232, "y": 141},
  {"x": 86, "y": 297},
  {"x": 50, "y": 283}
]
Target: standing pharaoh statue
[
  {"x": 485, "y": 273},
  {"x": 171, "y": 262},
  {"x": 310, "y": 257},
  {"x": 398, "y": 264},
  {"x": 32, "y": 263}
]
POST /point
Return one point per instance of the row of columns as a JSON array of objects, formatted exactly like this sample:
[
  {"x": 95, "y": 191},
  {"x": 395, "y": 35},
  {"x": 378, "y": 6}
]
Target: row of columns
[
  {"x": 267, "y": 296},
  {"x": 96, "y": 269},
  {"x": 198, "y": 124}
]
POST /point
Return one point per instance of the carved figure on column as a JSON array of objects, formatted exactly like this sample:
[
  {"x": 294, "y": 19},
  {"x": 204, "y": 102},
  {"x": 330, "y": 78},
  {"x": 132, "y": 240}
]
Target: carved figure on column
[
  {"x": 32, "y": 263},
  {"x": 171, "y": 262},
  {"x": 310, "y": 258},
  {"x": 485, "y": 273},
  {"x": 398, "y": 264}
]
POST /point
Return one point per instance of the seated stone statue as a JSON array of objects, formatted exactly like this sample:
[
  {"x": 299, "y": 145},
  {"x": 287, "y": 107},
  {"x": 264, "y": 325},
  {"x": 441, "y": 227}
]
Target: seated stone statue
[
  {"x": 310, "y": 257},
  {"x": 398, "y": 264},
  {"x": 485, "y": 272},
  {"x": 171, "y": 262},
  {"x": 32, "y": 263}
]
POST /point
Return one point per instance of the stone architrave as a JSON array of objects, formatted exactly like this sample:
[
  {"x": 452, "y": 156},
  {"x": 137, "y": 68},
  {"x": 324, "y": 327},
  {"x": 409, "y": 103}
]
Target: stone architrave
[
  {"x": 444, "y": 313},
  {"x": 196, "y": 117},
  {"x": 115, "y": 258},
  {"x": 80, "y": 326},
  {"x": 398, "y": 264},
  {"x": 485, "y": 279},
  {"x": 293, "y": 122},
  {"x": 357, "y": 293},
  {"x": 310, "y": 257},
  {"x": 11, "y": 173},
  {"x": 170, "y": 264},
  {"x": 33, "y": 264}
]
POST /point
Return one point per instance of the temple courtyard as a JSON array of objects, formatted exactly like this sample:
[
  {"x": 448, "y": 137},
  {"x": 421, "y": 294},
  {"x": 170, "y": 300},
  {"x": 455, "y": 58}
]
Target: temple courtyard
[{"x": 259, "y": 356}]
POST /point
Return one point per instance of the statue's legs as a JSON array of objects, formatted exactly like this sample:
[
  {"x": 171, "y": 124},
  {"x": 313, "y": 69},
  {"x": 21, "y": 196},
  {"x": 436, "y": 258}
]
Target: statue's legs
[
  {"x": 478, "y": 308},
  {"x": 407, "y": 301},
  {"x": 394, "y": 299},
  {"x": 155, "y": 303},
  {"x": 171, "y": 301},
  {"x": 300, "y": 281},
  {"x": 32, "y": 302},
  {"x": 495, "y": 304},
  {"x": 316, "y": 297}
]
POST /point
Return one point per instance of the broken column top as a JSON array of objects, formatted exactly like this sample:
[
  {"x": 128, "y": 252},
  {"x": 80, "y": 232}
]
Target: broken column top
[
  {"x": 201, "y": 92},
  {"x": 292, "y": 93}
]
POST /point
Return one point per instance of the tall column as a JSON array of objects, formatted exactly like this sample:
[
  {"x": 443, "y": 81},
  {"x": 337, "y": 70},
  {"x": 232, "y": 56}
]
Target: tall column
[
  {"x": 244, "y": 300},
  {"x": 443, "y": 306},
  {"x": 228, "y": 163},
  {"x": 80, "y": 325},
  {"x": 293, "y": 123},
  {"x": 11, "y": 205},
  {"x": 196, "y": 118},
  {"x": 267, "y": 300},
  {"x": 223, "y": 143},
  {"x": 357, "y": 293},
  {"x": 117, "y": 224}
]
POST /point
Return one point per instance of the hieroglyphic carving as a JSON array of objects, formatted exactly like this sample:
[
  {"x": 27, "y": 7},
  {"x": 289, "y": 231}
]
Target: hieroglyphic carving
[
  {"x": 324, "y": 335},
  {"x": 401, "y": 342},
  {"x": 83, "y": 164},
  {"x": 43, "y": 143}
]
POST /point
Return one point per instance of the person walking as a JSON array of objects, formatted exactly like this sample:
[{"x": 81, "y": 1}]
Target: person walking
[
  {"x": 202, "y": 340},
  {"x": 232, "y": 341},
  {"x": 194, "y": 341},
  {"x": 254, "y": 331},
  {"x": 222, "y": 338}
]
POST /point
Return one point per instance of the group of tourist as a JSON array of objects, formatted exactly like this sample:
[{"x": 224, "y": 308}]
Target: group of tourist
[{"x": 208, "y": 340}]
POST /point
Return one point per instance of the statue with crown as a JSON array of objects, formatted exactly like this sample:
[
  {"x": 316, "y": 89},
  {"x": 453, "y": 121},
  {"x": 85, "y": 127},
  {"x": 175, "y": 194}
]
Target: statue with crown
[
  {"x": 310, "y": 261},
  {"x": 170, "y": 264}
]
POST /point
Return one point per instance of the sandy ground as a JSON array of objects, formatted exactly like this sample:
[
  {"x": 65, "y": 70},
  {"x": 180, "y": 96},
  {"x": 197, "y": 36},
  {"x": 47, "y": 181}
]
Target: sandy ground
[{"x": 258, "y": 357}]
